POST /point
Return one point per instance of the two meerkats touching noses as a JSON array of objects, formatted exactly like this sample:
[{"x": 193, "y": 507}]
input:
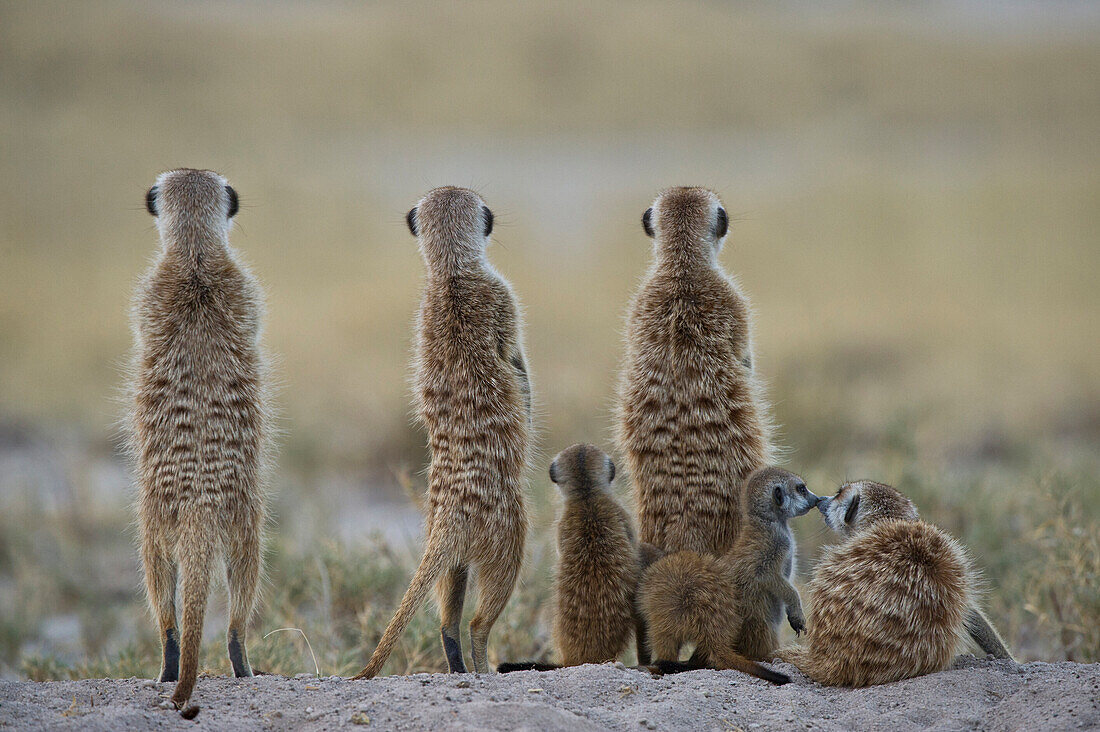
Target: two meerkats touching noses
[{"x": 712, "y": 562}]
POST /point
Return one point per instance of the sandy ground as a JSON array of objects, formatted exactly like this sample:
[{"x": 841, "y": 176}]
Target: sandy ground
[{"x": 993, "y": 695}]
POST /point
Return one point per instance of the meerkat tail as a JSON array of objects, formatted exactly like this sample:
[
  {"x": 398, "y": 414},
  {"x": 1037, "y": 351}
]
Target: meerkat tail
[
  {"x": 985, "y": 635},
  {"x": 737, "y": 662},
  {"x": 195, "y": 566},
  {"x": 507, "y": 668},
  {"x": 431, "y": 567}
]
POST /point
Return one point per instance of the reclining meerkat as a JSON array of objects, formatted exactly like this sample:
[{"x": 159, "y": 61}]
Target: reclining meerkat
[
  {"x": 598, "y": 564},
  {"x": 731, "y": 606},
  {"x": 198, "y": 429},
  {"x": 473, "y": 395},
  {"x": 895, "y": 600}
]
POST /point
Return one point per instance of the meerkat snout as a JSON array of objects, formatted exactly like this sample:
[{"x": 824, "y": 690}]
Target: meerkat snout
[{"x": 792, "y": 497}]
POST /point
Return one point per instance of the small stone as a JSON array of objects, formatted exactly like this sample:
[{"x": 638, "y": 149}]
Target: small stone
[
  {"x": 166, "y": 704},
  {"x": 462, "y": 685},
  {"x": 309, "y": 710},
  {"x": 149, "y": 684},
  {"x": 360, "y": 718}
]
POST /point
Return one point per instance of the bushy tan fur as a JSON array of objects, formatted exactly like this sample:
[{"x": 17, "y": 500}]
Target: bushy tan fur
[
  {"x": 730, "y": 607},
  {"x": 199, "y": 424},
  {"x": 473, "y": 397},
  {"x": 692, "y": 422},
  {"x": 598, "y": 568},
  {"x": 891, "y": 602}
]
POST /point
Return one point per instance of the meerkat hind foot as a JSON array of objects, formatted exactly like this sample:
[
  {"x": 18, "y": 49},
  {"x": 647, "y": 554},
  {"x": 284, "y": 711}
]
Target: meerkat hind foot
[{"x": 170, "y": 668}]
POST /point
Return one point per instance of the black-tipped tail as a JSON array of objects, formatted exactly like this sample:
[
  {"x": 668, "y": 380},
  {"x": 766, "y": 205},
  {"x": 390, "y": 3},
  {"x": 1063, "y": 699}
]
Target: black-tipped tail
[{"x": 507, "y": 668}]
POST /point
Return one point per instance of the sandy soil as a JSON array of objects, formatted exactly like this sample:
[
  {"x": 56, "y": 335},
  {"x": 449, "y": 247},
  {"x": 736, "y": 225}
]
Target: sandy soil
[{"x": 993, "y": 695}]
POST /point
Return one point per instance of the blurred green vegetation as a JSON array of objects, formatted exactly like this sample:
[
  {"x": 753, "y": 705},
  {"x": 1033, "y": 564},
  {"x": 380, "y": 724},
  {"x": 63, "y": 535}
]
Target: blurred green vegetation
[{"x": 915, "y": 195}]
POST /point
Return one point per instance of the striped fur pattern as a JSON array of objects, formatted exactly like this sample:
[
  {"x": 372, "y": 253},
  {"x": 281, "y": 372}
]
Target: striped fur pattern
[
  {"x": 473, "y": 396},
  {"x": 692, "y": 422},
  {"x": 199, "y": 426}
]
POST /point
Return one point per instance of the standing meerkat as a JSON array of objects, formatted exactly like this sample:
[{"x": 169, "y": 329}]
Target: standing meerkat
[
  {"x": 473, "y": 395},
  {"x": 692, "y": 422},
  {"x": 893, "y": 601},
  {"x": 199, "y": 424},
  {"x": 731, "y": 606},
  {"x": 598, "y": 564}
]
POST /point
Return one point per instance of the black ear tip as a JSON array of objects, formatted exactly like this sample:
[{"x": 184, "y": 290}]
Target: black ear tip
[
  {"x": 488, "y": 220},
  {"x": 151, "y": 200},
  {"x": 554, "y": 472},
  {"x": 410, "y": 219},
  {"x": 234, "y": 201},
  {"x": 647, "y": 222},
  {"x": 611, "y": 469}
]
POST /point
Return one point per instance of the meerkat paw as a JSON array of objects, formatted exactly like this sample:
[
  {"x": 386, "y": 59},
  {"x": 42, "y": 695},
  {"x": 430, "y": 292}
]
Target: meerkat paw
[{"x": 797, "y": 621}]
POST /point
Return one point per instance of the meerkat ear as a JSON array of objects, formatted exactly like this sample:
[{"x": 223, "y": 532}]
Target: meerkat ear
[
  {"x": 151, "y": 200},
  {"x": 234, "y": 201},
  {"x": 723, "y": 224},
  {"x": 488, "y": 220},
  {"x": 647, "y": 222},
  {"x": 610, "y": 470},
  {"x": 850, "y": 514},
  {"x": 410, "y": 219},
  {"x": 554, "y": 472}
]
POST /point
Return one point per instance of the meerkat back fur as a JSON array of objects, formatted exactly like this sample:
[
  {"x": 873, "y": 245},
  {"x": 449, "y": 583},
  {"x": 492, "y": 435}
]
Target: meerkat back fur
[
  {"x": 473, "y": 396},
  {"x": 893, "y": 601},
  {"x": 730, "y": 607},
  {"x": 199, "y": 425},
  {"x": 692, "y": 423}
]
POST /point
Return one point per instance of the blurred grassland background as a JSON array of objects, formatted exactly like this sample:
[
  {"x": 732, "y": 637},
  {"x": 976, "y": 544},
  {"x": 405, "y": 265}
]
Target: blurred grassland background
[{"x": 916, "y": 199}]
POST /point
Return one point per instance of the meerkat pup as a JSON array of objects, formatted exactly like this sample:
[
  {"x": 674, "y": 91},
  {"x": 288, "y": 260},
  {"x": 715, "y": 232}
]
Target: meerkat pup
[
  {"x": 692, "y": 423},
  {"x": 893, "y": 601},
  {"x": 598, "y": 564},
  {"x": 731, "y": 606},
  {"x": 198, "y": 429},
  {"x": 473, "y": 396}
]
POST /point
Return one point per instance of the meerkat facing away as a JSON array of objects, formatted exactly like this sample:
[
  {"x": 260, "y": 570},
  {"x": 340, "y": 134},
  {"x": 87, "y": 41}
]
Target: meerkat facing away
[
  {"x": 731, "y": 606},
  {"x": 198, "y": 428},
  {"x": 473, "y": 397},
  {"x": 692, "y": 422},
  {"x": 597, "y": 561},
  {"x": 893, "y": 601},
  {"x": 598, "y": 564}
]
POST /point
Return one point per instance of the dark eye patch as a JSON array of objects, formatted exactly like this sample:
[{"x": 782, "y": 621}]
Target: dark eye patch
[
  {"x": 234, "y": 201},
  {"x": 852, "y": 508},
  {"x": 410, "y": 219},
  {"x": 778, "y": 495},
  {"x": 723, "y": 224},
  {"x": 488, "y": 220},
  {"x": 151, "y": 200},
  {"x": 647, "y": 222}
]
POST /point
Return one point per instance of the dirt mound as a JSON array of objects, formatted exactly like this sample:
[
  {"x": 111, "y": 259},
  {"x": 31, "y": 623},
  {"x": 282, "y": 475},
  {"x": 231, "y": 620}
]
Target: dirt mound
[{"x": 994, "y": 695}]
